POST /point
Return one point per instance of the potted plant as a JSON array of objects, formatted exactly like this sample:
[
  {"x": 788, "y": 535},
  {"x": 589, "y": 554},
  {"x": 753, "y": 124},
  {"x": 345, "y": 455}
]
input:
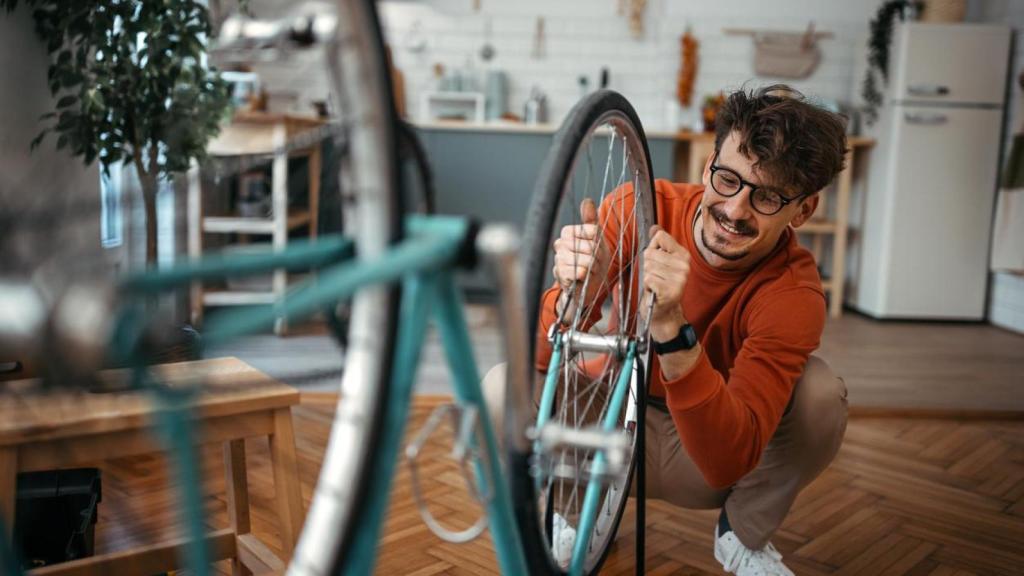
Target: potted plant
[
  {"x": 132, "y": 85},
  {"x": 879, "y": 40},
  {"x": 709, "y": 110}
]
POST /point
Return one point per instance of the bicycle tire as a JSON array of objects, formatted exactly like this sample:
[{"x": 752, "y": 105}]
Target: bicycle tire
[
  {"x": 420, "y": 198},
  {"x": 372, "y": 215},
  {"x": 370, "y": 183},
  {"x": 549, "y": 193}
]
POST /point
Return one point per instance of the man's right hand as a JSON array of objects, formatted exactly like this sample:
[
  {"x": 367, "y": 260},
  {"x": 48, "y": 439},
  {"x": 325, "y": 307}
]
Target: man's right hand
[{"x": 581, "y": 250}]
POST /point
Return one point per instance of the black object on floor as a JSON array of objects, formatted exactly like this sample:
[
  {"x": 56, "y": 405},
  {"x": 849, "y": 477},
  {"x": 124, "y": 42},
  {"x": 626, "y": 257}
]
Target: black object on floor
[{"x": 55, "y": 515}]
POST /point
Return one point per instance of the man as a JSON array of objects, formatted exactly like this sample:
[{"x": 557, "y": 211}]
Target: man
[{"x": 742, "y": 416}]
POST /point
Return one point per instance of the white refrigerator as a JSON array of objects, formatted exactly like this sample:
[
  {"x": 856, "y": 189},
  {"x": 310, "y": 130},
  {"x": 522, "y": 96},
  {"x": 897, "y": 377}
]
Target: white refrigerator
[{"x": 926, "y": 227}]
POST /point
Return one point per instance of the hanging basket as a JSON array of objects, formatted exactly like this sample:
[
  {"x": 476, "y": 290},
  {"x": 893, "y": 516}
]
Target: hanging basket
[{"x": 944, "y": 11}]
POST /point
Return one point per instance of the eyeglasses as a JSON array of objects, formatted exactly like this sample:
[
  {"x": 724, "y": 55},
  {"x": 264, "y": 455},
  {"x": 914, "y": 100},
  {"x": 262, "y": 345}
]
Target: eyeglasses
[{"x": 767, "y": 201}]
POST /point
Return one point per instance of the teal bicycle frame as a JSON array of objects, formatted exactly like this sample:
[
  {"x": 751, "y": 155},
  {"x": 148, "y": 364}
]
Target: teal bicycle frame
[
  {"x": 425, "y": 264},
  {"x": 591, "y": 502}
]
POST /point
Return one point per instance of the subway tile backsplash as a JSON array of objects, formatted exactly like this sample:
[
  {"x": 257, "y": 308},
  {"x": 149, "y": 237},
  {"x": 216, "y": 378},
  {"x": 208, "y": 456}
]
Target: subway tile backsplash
[{"x": 582, "y": 36}]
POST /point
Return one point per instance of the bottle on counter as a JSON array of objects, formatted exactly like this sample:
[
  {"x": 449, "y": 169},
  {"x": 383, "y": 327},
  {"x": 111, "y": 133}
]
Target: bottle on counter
[{"x": 536, "y": 109}]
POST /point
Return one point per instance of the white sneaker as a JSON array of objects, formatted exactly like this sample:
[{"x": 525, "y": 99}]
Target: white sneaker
[
  {"x": 563, "y": 538},
  {"x": 742, "y": 561}
]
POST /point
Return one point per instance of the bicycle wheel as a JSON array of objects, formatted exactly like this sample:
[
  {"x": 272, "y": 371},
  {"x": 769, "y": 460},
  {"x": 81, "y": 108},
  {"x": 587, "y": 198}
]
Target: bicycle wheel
[
  {"x": 600, "y": 153},
  {"x": 419, "y": 195},
  {"x": 364, "y": 133},
  {"x": 371, "y": 203}
]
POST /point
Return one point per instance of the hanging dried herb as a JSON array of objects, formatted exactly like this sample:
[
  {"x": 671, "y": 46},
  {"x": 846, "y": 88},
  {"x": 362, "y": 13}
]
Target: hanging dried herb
[{"x": 687, "y": 69}]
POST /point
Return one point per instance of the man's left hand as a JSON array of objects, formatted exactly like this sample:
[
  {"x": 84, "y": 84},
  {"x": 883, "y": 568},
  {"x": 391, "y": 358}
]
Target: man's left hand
[{"x": 666, "y": 268}]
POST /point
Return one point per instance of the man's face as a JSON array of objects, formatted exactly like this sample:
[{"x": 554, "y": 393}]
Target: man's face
[{"x": 732, "y": 234}]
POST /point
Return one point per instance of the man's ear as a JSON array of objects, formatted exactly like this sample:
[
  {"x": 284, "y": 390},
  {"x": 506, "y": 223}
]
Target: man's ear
[
  {"x": 706, "y": 176},
  {"x": 807, "y": 207}
]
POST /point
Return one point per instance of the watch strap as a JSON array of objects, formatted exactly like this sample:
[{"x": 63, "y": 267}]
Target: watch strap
[{"x": 686, "y": 339}]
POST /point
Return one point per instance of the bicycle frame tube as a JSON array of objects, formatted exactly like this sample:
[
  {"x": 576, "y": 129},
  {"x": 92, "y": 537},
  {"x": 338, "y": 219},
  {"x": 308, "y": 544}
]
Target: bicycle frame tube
[
  {"x": 417, "y": 292},
  {"x": 588, "y": 514},
  {"x": 433, "y": 243},
  {"x": 459, "y": 350},
  {"x": 324, "y": 251},
  {"x": 547, "y": 395},
  {"x": 550, "y": 382}
]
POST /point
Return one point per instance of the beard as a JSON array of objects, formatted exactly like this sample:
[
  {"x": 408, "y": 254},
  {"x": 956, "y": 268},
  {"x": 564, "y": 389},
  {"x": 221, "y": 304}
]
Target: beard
[{"x": 715, "y": 213}]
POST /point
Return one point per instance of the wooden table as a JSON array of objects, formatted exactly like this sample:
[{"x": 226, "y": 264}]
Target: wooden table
[
  {"x": 694, "y": 148},
  {"x": 71, "y": 429}
]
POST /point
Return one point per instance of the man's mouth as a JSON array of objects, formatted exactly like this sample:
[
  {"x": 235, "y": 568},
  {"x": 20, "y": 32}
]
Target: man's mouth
[{"x": 732, "y": 229}]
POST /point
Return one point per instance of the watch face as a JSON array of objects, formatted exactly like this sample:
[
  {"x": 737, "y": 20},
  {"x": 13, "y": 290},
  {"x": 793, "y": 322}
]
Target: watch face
[{"x": 684, "y": 340}]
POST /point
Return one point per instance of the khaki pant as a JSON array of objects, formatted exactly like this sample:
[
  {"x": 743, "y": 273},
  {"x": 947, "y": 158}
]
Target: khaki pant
[{"x": 806, "y": 441}]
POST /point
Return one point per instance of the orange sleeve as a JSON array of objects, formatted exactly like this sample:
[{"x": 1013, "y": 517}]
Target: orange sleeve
[{"x": 726, "y": 425}]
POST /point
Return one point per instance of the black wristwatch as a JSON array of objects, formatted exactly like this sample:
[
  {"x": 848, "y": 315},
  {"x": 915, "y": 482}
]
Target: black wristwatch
[{"x": 685, "y": 340}]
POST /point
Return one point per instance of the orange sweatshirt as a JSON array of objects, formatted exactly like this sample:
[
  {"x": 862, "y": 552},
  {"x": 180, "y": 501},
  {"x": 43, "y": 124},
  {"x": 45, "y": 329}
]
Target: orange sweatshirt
[{"x": 757, "y": 328}]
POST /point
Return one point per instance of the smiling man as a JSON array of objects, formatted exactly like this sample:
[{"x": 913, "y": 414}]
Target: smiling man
[{"x": 742, "y": 415}]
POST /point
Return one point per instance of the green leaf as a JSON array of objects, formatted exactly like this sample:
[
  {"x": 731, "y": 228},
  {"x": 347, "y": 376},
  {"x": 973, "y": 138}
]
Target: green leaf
[
  {"x": 37, "y": 140},
  {"x": 66, "y": 101}
]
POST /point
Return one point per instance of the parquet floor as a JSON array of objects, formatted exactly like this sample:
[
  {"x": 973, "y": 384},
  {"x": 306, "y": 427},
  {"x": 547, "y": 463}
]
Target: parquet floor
[{"x": 914, "y": 497}]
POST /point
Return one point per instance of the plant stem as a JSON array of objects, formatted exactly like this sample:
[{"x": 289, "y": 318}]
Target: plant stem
[{"x": 147, "y": 180}]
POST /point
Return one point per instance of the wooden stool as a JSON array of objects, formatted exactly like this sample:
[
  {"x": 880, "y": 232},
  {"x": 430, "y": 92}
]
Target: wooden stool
[{"x": 70, "y": 429}]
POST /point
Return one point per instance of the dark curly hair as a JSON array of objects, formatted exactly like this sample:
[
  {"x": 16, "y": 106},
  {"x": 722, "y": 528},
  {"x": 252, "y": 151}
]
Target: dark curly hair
[{"x": 795, "y": 144}]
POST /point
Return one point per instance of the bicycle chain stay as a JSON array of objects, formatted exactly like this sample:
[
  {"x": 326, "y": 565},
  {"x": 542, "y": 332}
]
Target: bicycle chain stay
[{"x": 465, "y": 449}]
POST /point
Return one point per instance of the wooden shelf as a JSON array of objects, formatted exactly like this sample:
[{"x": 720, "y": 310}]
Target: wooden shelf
[
  {"x": 256, "y": 134},
  {"x": 237, "y": 298},
  {"x": 228, "y": 224}
]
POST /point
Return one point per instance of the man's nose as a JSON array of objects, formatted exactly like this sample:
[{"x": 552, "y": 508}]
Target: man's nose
[{"x": 737, "y": 207}]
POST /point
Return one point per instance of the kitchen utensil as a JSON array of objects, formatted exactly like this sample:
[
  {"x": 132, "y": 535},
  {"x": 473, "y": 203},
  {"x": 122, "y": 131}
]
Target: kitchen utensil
[
  {"x": 496, "y": 93},
  {"x": 536, "y": 109},
  {"x": 487, "y": 51},
  {"x": 539, "y": 49}
]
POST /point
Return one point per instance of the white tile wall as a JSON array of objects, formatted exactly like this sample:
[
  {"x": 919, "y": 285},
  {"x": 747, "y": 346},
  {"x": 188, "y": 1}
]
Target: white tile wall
[{"x": 584, "y": 35}]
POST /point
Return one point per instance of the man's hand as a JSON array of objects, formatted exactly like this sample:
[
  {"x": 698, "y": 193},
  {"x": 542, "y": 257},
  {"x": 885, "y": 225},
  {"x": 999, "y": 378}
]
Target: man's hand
[
  {"x": 666, "y": 268},
  {"x": 581, "y": 249}
]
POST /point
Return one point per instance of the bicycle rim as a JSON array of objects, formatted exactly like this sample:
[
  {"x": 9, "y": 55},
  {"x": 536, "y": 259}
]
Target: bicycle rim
[
  {"x": 600, "y": 152},
  {"x": 371, "y": 214}
]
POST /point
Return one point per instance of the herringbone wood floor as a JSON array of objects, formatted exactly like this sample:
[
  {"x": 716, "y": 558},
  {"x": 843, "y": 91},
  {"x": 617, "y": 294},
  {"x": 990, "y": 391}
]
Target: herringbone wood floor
[{"x": 915, "y": 497}]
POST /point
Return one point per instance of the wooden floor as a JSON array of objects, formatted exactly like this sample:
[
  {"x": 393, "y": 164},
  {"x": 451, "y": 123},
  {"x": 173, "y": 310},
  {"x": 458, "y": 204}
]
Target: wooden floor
[
  {"x": 915, "y": 497},
  {"x": 941, "y": 367},
  {"x": 926, "y": 365}
]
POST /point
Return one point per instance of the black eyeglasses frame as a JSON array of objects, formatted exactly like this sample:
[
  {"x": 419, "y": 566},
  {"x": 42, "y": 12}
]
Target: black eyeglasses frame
[{"x": 751, "y": 187}]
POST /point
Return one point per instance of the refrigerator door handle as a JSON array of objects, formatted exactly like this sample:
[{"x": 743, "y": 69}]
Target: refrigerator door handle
[
  {"x": 923, "y": 119},
  {"x": 928, "y": 90}
]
